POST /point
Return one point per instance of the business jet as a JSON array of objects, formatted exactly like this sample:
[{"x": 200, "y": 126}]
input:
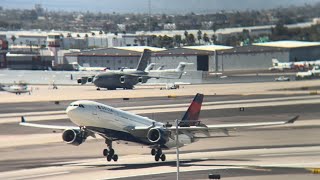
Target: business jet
[
  {"x": 78, "y": 67},
  {"x": 114, "y": 124},
  {"x": 16, "y": 88}
]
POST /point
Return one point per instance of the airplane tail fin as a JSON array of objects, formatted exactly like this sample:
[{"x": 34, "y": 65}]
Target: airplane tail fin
[
  {"x": 275, "y": 62},
  {"x": 191, "y": 116},
  {"x": 144, "y": 59},
  {"x": 76, "y": 66},
  {"x": 150, "y": 67},
  {"x": 181, "y": 66},
  {"x": 160, "y": 68}
]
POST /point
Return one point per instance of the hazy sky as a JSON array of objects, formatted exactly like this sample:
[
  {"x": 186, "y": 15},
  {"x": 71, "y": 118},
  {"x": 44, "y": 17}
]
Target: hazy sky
[{"x": 157, "y": 6}]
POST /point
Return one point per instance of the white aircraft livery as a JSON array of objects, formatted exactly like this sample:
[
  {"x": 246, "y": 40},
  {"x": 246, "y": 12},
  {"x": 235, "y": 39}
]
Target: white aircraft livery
[{"x": 114, "y": 124}]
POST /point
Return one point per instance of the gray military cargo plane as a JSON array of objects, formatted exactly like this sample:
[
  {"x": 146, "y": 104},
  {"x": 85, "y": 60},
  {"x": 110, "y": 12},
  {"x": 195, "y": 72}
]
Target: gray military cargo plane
[{"x": 128, "y": 78}]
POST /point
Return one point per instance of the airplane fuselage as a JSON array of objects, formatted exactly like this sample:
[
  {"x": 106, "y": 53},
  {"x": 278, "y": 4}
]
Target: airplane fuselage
[
  {"x": 107, "y": 120},
  {"x": 115, "y": 123},
  {"x": 111, "y": 80}
]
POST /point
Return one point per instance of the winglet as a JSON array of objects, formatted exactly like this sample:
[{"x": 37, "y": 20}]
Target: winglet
[
  {"x": 291, "y": 121},
  {"x": 22, "y": 119}
]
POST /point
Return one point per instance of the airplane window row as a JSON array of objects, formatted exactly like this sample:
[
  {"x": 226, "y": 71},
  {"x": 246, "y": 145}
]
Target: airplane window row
[{"x": 80, "y": 105}]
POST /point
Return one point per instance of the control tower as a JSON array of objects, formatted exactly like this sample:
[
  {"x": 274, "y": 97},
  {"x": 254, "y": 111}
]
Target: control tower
[{"x": 54, "y": 41}]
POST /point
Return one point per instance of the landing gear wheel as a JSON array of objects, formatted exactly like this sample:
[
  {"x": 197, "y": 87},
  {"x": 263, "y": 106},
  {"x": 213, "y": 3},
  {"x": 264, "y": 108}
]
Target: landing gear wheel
[
  {"x": 153, "y": 152},
  {"x": 98, "y": 89},
  {"x": 157, "y": 157},
  {"x": 105, "y": 152},
  {"x": 115, "y": 158},
  {"x": 109, "y": 158},
  {"x": 111, "y": 152},
  {"x": 163, "y": 157}
]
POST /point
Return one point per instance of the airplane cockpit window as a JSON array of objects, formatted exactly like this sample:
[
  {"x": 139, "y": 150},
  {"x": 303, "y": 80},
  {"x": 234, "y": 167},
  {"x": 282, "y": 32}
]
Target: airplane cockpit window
[{"x": 80, "y": 105}]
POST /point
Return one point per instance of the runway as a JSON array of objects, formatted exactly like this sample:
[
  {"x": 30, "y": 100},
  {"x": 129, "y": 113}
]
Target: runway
[{"x": 282, "y": 152}]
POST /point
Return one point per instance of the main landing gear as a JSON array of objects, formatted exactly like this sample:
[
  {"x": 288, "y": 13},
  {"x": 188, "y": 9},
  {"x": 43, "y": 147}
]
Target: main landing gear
[
  {"x": 157, "y": 153},
  {"x": 109, "y": 153}
]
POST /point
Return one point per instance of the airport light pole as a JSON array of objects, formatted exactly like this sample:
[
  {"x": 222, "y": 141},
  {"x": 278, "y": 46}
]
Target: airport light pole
[{"x": 177, "y": 148}]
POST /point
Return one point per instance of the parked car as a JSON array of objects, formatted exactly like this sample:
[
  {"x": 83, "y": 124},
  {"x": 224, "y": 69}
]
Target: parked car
[{"x": 282, "y": 78}]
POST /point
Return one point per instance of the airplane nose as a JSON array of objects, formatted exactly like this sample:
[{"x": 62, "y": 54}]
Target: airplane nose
[
  {"x": 96, "y": 80},
  {"x": 70, "y": 109}
]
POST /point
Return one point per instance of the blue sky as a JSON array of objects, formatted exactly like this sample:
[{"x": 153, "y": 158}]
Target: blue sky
[{"x": 157, "y": 6}]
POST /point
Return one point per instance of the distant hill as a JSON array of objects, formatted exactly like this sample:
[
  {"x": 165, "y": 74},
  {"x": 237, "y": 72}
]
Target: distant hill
[{"x": 157, "y": 6}]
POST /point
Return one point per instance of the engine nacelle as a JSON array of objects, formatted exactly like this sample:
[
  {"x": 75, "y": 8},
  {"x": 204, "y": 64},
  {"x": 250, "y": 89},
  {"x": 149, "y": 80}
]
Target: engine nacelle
[
  {"x": 122, "y": 79},
  {"x": 90, "y": 79},
  {"x": 158, "y": 136},
  {"x": 82, "y": 80},
  {"x": 74, "y": 137}
]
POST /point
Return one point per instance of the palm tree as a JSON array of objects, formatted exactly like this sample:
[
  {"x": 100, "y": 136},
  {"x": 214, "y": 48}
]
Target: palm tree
[
  {"x": 13, "y": 38},
  {"x": 191, "y": 39},
  {"x": 94, "y": 40},
  {"x": 100, "y": 33},
  {"x": 186, "y": 35},
  {"x": 86, "y": 36},
  {"x": 213, "y": 38},
  {"x": 177, "y": 40},
  {"x": 206, "y": 38},
  {"x": 199, "y": 37}
]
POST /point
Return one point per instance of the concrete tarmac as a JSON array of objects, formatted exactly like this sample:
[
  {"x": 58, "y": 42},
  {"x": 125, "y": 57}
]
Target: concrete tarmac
[{"x": 271, "y": 152}]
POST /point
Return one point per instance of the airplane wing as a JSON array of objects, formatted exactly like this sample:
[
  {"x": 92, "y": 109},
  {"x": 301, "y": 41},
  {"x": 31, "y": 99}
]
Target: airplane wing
[
  {"x": 24, "y": 123},
  {"x": 226, "y": 127}
]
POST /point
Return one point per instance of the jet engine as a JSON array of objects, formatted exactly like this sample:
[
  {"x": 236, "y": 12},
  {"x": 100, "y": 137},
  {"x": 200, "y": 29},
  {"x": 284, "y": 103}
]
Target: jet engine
[
  {"x": 82, "y": 80},
  {"x": 90, "y": 79},
  {"x": 74, "y": 137},
  {"x": 158, "y": 136},
  {"x": 122, "y": 79}
]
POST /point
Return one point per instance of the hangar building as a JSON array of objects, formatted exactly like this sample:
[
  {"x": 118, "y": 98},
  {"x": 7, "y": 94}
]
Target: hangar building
[
  {"x": 212, "y": 58},
  {"x": 258, "y": 56}
]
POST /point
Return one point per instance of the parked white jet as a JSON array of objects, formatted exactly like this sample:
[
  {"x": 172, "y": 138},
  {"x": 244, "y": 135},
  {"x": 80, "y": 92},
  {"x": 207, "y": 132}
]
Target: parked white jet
[
  {"x": 16, "y": 88},
  {"x": 276, "y": 65},
  {"x": 77, "y": 67},
  {"x": 114, "y": 124}
]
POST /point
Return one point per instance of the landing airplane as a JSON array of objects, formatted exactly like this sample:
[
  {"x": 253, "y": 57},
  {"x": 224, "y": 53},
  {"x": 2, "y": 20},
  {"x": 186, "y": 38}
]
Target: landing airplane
[{"x": 114, "y": 124}]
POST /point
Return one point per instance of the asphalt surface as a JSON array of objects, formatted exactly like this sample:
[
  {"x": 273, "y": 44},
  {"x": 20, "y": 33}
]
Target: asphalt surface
[{"x": 44, "y": 155}]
